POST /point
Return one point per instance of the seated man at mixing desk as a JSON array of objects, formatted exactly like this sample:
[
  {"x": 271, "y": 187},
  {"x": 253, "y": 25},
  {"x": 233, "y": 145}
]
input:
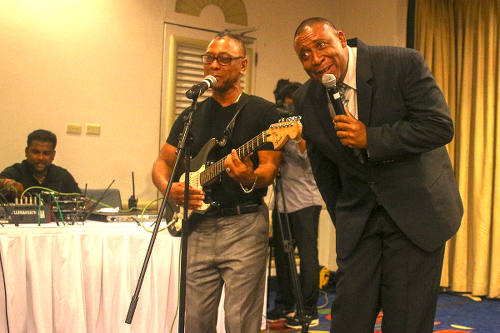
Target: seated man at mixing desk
[{"x": 37, "y": 169}]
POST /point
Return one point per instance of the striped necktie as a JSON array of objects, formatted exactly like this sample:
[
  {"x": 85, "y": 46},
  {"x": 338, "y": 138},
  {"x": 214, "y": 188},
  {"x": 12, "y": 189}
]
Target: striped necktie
[{"x": 342, "y": 87}]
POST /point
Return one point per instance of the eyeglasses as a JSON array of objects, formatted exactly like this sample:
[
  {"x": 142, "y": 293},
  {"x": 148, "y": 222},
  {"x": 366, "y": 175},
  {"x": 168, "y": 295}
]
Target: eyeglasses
[{"x": 222, "y": 59}]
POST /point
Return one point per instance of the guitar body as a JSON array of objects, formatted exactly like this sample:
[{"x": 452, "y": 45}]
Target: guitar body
[
  {"x": 197, "y": 166},
  {"x": 202, "y": 174}
]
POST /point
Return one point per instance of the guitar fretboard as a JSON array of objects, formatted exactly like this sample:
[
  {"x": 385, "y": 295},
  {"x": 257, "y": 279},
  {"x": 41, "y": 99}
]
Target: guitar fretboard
[{"x": 244, "y": 150}]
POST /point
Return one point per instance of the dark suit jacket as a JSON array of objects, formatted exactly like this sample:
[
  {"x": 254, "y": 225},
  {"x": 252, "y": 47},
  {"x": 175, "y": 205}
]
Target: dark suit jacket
[{"x": 408, "y": 171}]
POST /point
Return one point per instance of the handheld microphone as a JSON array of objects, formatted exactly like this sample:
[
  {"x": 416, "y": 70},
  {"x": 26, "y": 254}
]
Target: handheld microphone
[
  {"x": 199, "y": 88},
  {"x": 330, "y": 82}
]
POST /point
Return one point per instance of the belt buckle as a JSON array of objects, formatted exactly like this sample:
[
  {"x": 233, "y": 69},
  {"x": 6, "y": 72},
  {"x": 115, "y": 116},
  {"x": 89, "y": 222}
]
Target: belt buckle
[{"x": 214, "y": 209}]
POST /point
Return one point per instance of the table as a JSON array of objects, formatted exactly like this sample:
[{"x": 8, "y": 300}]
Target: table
[{"x": 81, "y": 278}]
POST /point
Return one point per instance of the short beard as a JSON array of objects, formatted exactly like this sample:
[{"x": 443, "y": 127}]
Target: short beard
[{"x": 226, "y": 88}]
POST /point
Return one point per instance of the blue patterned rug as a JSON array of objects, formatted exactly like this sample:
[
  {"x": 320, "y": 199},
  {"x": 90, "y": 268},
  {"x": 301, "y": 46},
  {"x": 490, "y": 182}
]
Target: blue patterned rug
[{"x": 455, "y": 314}]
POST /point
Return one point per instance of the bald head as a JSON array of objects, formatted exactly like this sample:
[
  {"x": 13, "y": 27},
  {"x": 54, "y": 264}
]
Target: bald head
[{"x": 311, "y": 21}]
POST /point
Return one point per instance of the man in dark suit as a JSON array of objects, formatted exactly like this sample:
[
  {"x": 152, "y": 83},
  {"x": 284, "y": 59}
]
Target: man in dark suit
[{"x": 384, "y": 174}]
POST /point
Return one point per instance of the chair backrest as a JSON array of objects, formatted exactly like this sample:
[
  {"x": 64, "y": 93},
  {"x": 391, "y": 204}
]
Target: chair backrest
[{"x": 111, "y": 198}]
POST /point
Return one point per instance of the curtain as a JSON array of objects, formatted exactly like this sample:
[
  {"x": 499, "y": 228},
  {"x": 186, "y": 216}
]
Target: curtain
[{"x": 460, "y": 42}]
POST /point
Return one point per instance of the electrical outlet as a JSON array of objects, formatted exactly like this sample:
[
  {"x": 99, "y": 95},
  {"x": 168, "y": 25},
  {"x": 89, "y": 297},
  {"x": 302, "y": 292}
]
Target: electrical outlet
[
  {"x": 74, "y": 128},
  {"x": 93, "y": 129}
]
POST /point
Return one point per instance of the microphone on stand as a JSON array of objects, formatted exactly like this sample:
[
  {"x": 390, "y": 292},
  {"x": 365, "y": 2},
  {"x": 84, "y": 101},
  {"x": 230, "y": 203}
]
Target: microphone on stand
[
  {"x": 330, "y": 83},
  {"x": 199, "y": 88}
]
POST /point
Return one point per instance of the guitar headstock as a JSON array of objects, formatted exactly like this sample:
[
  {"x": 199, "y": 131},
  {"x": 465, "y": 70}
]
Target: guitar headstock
[{"x": 287, "y": 128}]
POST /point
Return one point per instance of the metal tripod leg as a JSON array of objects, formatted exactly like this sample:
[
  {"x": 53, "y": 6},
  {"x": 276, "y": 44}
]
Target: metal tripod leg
[{"x": 288, "y": 247}]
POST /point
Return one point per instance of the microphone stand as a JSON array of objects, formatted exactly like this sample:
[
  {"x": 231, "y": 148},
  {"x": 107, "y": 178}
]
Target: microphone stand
[
  {"x": 183, "y": 150},
  {"x": 287, "y": 243}
]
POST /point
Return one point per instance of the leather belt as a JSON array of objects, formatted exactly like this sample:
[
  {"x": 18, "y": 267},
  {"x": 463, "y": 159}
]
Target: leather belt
[{"x": 220, "y": 211}]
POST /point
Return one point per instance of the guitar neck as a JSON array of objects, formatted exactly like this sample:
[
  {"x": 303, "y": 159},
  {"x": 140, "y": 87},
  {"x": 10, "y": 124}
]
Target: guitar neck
[{"x": 243, "y": 151}]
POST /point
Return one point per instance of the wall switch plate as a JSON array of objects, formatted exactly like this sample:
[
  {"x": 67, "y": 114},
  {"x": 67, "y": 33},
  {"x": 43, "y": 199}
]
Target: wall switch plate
[
  {"x": 93, "y": 129},
  {"x": 74, "y": 128}
]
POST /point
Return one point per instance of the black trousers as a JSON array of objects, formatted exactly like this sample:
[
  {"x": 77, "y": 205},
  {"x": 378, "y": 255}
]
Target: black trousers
[
  {"x": 386, "y": 272},
  {"x": 304, "y": 229}
]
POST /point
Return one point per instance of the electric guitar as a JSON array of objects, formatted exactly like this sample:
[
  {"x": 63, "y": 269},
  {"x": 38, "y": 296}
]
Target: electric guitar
[{"x": 203, "y": 174}]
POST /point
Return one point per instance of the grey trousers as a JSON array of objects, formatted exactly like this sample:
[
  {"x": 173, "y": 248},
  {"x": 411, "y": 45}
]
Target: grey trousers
[{"x": 229, "y": 251}]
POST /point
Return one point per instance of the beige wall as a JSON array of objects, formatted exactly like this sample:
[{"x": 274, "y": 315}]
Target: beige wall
[
  {"x": 88, "y": 61},
  {"x": 99, "y": 61}
]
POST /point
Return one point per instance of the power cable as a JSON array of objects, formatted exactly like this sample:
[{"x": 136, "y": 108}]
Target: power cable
[{"x": 5, "y": 292}]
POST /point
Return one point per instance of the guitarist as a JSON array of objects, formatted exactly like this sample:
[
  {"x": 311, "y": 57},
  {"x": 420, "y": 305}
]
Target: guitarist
[{"x": 227, "y": 245}]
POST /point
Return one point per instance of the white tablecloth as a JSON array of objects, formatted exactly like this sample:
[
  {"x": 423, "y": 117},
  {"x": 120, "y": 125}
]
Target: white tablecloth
[{"x": 80, "y": 279}]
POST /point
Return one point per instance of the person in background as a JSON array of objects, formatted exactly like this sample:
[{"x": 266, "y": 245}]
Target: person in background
[
  {"x": 37, "y": 169},
  {"x": 227, "y": 246},
  {"x": 303, "y": 205},
  {"x": 383, "y": 170}
]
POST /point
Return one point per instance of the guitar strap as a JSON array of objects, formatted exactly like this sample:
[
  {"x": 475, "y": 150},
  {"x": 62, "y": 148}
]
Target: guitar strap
[{"x": 228, "y": 131}]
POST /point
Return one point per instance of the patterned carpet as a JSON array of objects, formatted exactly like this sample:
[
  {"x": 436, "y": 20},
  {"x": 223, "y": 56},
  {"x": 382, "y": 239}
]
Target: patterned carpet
[{"x": 455, "y": 314}]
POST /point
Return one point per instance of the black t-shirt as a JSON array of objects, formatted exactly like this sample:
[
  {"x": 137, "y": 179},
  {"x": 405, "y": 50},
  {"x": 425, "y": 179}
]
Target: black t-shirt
[
  {"x": 57, "y": 179},
  {"x": 210, "y": 121}
]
